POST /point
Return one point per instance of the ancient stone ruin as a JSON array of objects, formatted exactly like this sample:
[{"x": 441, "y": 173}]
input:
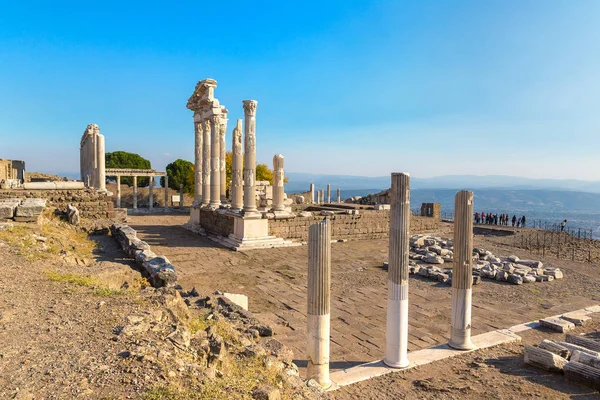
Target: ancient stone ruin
[
  {"x": 92, "y": 158},
  {"x": 12, "y": 173}
]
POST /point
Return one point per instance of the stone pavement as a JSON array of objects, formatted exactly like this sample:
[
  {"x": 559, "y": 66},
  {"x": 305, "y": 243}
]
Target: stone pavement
[{"x": 275, "y": 282}]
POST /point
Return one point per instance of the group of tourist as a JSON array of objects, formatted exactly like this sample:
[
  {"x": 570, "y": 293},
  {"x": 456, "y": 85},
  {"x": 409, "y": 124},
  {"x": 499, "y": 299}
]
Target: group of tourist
[{"x": 502, "y": 219}]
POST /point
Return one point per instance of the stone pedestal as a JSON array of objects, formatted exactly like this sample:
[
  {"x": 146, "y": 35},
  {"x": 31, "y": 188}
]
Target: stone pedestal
[
  {"x": 318, "y": 307},
  {"x": 252, "y": 232},
  {"x": 396, "y": 346},
  {"x": 462, "y": 274}
]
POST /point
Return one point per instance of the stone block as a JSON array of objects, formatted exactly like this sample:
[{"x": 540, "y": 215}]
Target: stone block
[
  {"x": 31, "y": 208},
  {"x": 8, "y": 207},
  {"x": 239, "y": 299},
  {"x": 557, "y": 324}
]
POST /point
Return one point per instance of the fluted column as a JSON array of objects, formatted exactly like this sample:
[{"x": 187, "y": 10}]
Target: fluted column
[
  {"x": 278, "y": 178},
  {"x": 135, "y": 192},
  {"x": 181, "y": 202},
  {"x": 215, "y": 162},
  {"x": 166, "y": 191},
  {"x": 318, "y": 310},
  {"x": 206, "y": 162},
  {"x": 237, "y": 183},
  {"x": 312, "y": 193},
  {"x": 250, "y": 156},
  {"x": 151, "y": 194},
  {"x": 328, "y": 193},
  {"x": 222, "y": 164},
  {"x": 101, "y": 171},
  {"x": 118, "y": 191},
  {"x": 198, "y": 161},
  {"x": 396, "y": 337},
  {"x": 462, "y": 275},
  {"x": 339, "y": 196}
]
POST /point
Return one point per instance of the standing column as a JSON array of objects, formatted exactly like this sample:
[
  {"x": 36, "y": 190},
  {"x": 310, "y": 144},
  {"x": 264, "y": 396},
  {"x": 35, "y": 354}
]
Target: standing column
[
  {"x": 312, "y": 193},
  {"x": 339, "y": 196},
  {"x": 222, "y": 148},
  {"x": 318, "y": 310},
  {"x": 135, "y": 192},
  {"x": 198, "y": 161},
  {"x": 151, "y": 194},
  {"x": 206, "y": 162},
  {"x": 396, "y": 337},
  {"x": 278, "y": 177},
  {"x": 237, "y": 183},
  {"x": 181, "y": 195},
  {"x": 328, "y": 193},
  {"x": 101, "y": 172},
  {"x": 118, "y": 191},
  {"x": 166, "y": 191},
  {"x": 462, "y": 275},
  {"x": 215, "y": 164},
  {"x": 250, "y": 156}
]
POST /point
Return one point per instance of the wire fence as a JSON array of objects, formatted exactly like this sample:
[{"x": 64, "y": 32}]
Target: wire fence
[{"x": 562, "y": 245}]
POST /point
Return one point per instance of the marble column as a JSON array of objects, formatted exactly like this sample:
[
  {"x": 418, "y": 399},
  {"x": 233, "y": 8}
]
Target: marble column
[
  {"x": 135, "y": 192},
  {"x": 312, "y": 193},
  {"x": 396, "y": 337},
  {"x": 181, "y": 205},
  {"x": 328, "y": 193},
  {"x": 278, "y": 178},
  {"x": 215, "y": 161},
  {"x": 206, "y": 174},
  {"x": 319, "y": 306},
  {"x": 101, "y": 171},
  {"x": 339, "y": 196},
  {"x": 198, "y": 161},
  {"x": 222, "y": 148},
  {"x": 166, "y": 191},
  {"x": 250, "y": 156},
  {"x": 118, "y": 191},
  {"x": 237, "y": 183},
  {"x": 151, "y": 194},
  {"x": 462, "y": 274}
]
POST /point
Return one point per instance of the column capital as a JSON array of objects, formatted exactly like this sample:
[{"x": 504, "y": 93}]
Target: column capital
[{"x": 250, "y": 107}]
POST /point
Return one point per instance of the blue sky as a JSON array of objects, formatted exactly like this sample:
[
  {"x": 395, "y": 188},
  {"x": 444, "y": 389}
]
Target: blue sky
[{"x": 343, "y": 87}]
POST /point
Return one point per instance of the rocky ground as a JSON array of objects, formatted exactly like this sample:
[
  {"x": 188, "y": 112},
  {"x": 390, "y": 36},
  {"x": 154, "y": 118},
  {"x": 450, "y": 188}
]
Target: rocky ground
[{"x": 77, "y": 321}]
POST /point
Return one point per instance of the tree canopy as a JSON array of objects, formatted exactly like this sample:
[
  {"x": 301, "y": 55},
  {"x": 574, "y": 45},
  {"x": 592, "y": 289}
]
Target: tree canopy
[
  {"x": 180, "y": 172},
  {"x": 123, "y": 159}
]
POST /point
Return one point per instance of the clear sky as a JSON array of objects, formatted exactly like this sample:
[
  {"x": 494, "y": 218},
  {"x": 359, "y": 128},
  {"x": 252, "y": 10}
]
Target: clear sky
[{"x": 351, "y": 87}]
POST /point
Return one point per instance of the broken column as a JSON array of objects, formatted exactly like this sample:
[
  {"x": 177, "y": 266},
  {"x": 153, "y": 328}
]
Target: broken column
[
  {"x": 198, "y": 161},
  {"x": 151, "y": 194},
  {"x": 318, "y": 310},
  {"x": 397, "y": 304},
  {"x": 118, "y": 191},
  {"x": 339, "y": 196},
  {"x": 215, "y": 162},
  {"x": 250, "y": 156},
  {"x": 237, "y": 183},
  {"x": 135, "y": 192},
  {"x": 328, "y": 193},
  {"x": 462, "y": 279},
  {"x": 278, "y": 178},
  {"x": 206, "y": 173},
  {"x": 222, "y": 148},
  {"x": 166, "y": 191},
  {"x": 312, "y": 193}
]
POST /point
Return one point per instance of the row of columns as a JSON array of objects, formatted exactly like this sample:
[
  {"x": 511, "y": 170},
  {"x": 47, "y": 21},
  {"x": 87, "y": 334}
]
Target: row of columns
[
  {"x": 321, "y": 196},
  {"x": 396, "y": 350},
  {"x": 150, "y": 192}
]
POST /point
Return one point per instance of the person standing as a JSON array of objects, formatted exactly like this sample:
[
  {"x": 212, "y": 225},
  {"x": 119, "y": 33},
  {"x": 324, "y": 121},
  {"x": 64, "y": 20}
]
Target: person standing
[
  {"x": 514, "y": 220},
  {"x": 523, "y": 221},
  {"x": 563, "y": 225}
]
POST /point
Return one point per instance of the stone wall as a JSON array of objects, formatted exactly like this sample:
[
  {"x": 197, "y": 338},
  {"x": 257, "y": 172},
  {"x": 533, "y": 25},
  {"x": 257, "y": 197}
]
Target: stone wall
[
  {"x": 366, "y": 225},
  {"x": 216, "y": 223},
  {"x": 89, "y": 202}
]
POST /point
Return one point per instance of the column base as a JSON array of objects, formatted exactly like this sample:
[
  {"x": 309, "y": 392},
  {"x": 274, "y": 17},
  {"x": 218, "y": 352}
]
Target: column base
[
  {"x": 251, "y": 232},
  {"x": 462, "y": 345}
]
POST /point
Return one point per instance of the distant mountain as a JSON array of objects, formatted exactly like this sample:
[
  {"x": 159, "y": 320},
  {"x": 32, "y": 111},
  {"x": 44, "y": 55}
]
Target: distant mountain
[{"x": 301, "y": 181}]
